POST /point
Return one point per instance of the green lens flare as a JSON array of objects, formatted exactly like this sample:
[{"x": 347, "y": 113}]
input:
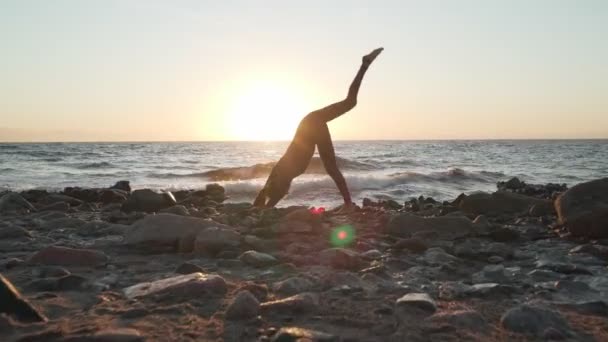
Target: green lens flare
[{"x": 342, "y": 236}]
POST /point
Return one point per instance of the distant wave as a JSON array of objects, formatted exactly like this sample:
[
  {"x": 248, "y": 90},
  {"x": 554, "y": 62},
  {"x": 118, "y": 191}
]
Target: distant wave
[
  {"x": 263, "y": 170},
  {"x": 97, "y": 165},
  {"x": 368, "y": 181}
]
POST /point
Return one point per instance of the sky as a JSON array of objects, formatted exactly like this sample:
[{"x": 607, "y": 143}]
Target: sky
[{"x": 150, "y": 70}]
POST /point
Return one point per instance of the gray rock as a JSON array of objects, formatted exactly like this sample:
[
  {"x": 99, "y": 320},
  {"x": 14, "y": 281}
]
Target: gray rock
[
  {"x": 64, "y": 256},
  {"x": 113, "y": 196},
  {"x": 50, "y": 271},
  {"x": 564, "y": 268},
  {"x": 13, "y": 202},
  {"x": 148, "y": 200},
  {"x": 491, "y": 274},
  {"x": 437, "y": 256},
  {"x": 123, "y": 185},
  {"x": 583, "y": 209},
  {"x": 341, "y": 258},
  {"x": 420, "y": 301},
  {"x": 58, "y": 206},
  {"x": 213, "y": 240},
  {"x": 405, "y": 225},
  {"x": 13, "y": 304},
  {"x": 300, "y": 303},
  {"x": 190, "y": 285},
  {"x": 540, "y": 275},
  {"x": 292, "y": 286},
  {"x": 243, "y": 306},
  {"x": 533, "y": 320},
  {"x": 414, "y": 245},
  {"x": 302, "y": 334},
  {"x": 260, "y": 245},
  {"x": 596, "y": 307},
  {"x": 490, "y": 290},
  {"x": 167, "y": 230},
  {"x": 257, "y": 259}
]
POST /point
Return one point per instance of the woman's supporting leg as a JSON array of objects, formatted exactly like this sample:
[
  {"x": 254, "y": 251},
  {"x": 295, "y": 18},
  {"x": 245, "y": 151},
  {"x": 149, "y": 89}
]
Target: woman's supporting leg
[
  {"x": 328, "y": 156},
  {"x": 336, "y": 109}
]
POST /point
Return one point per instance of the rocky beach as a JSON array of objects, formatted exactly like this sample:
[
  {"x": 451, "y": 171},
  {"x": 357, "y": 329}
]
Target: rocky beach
[{"x": 524, "y": 263}]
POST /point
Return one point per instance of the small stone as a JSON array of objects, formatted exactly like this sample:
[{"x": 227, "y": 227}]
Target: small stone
[
  {"x": 419, "y": 301},
  {"x": 300, "y": 303},
  {"x": 187, "y": 268},
  {"x": 50, "y": 271},
  {"x": 243, "y": 306},
  {"x": 341, "y": 258},
  {"x": 190, "y": 285},
  {"x": 64, "y": 256},
  {"x": 460, "y": 319},
  {"x": 527, "y": 319},
  {"x": 491, "y": 274},
  {"x": 292, "y": 286},
  {"x": 257, "y": 259},
  {"x": 495, "y": 259}
]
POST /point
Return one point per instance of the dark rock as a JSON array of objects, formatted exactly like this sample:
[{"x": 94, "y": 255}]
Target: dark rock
[
  {"x": 504, "y": 234},
  {"x": 57, "y": 198},
  {"x": 187, "y": 268},
  {"x": 13, "y": 202},
  {"x": 12, "y": 303},
  {"x": 176, "y": 210},
  {"x": 64, "y": 256},
  {"x": 83, "y": 194},
  {"x": 562, "y": 267},
  {"x": 513, "y": 184},
  {"x": 243, "y": 306},
  {"x": 533, "y": 320},
  {"x": 500, "y": 202},
  {"x": 414, "y": 245},
  {"x": 583, "y": 209},
  {"x": 57, "y": 206},
  {"x": 116, "y": 335},
  {"x": 341, "y": 258},
  {"x": 122, "y": 185},
  {"x": 215, "y": 192},
  {"x": 50, "y": 271},
  {"x": 148, "y": 201},
  {"x": 112, "y": 196},
  {"x": 596, "y": 308},
  {"x": 405, "y": 225}
]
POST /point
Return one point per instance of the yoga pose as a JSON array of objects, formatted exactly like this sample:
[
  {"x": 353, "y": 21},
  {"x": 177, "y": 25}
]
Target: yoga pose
[{"x": 313, "y": 131}]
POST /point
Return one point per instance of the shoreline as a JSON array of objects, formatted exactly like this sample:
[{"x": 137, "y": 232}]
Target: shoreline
[{"x": 114, "y": 263}]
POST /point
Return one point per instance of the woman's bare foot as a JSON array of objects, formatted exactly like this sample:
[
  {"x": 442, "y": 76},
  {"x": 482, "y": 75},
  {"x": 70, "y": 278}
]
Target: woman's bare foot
[{"x": 369, "y": 58}]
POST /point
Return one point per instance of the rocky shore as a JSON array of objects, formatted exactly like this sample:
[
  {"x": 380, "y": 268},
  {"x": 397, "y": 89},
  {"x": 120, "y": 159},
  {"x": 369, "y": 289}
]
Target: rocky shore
[{"x": 527, "y": 262}]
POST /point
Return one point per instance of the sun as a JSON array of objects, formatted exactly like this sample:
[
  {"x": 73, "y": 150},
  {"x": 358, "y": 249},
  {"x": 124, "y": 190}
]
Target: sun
[{"x": 266, "y": 110}]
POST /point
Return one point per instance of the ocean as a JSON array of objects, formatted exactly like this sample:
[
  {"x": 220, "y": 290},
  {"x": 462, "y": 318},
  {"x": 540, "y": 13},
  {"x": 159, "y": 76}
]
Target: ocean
[{"x": 395, "y": 170}]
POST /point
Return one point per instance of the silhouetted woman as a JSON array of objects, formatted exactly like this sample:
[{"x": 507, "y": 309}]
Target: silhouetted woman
[{"x": 313, "y": 131}]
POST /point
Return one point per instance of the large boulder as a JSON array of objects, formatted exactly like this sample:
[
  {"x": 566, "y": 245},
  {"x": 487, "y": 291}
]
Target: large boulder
[
  {"x": 13, "y": 202},
  {"x": 177, "y": 231},
  {"x": 215, "y": 239},
  {"x": 148, "y": 200},
  {"x": 583, "y": 209},
  {"x": 500, "y": 202},
  {"x": 405, "y": 225}
]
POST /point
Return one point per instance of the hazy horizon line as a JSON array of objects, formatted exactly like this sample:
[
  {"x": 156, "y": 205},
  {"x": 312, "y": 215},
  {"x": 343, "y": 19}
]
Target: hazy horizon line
[{"x": 274, "y": 141}]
